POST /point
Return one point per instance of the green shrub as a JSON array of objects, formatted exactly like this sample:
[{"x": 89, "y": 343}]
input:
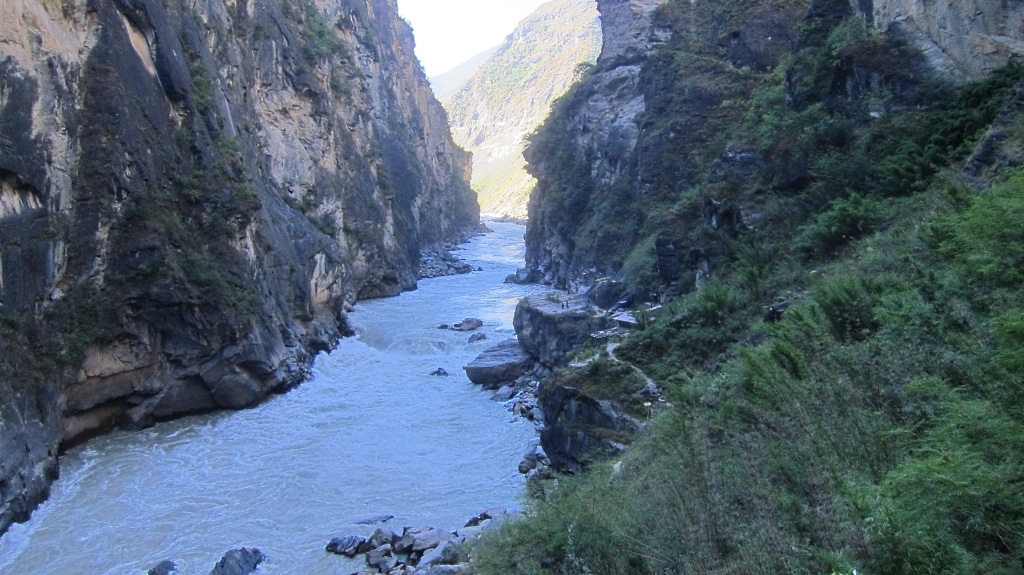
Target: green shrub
[
  {"x": 754, "y": 262},
  {"x": 848, "y": 303},
  {"x": 956, "y": 505},
  {"x": 845, "y": 219},
  {"x": 987, "y": 239},
  {"x": 715, "y": 303}
]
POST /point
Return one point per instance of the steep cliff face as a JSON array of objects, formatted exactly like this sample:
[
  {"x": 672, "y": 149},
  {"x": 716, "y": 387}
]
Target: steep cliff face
[
  {"x": 193, "y": 194},
  {"x": 961, "y": 39},
  {"x": 652, "y": 143},
  {"x": 511, "y": 94},
  {"x": 615, "y": 147}
]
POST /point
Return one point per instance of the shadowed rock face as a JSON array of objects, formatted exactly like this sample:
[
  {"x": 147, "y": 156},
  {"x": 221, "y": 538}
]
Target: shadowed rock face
[
  {"x": 191, "y": 197},
  {"x": 579, "y": 428},
  {"x": 962, "y": 39}
]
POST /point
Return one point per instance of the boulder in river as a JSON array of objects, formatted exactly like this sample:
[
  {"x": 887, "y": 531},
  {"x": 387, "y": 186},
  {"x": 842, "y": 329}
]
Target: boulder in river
[
  {"x": 381, "y": 536},
  {"x": 522, "y": 276},
  {"x": 382, "y": 559},
  {"x": 468, "y": 324},
  {"x": 503, "y": 394},
  {"x": 376, "y": 519},
  {"x": 444, "y": 554},
  {"x": 418, "y": 539},
  {"x": 349, "y": 545},
  {"x": 477, "y": 337},
  {"x": 242, "y": 561},
  {"x": 499, "y": 365},
  {"x": 163, "y": 568}
]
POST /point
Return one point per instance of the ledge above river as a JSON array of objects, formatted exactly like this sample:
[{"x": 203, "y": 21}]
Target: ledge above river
[{"x": 551, "y": 325}]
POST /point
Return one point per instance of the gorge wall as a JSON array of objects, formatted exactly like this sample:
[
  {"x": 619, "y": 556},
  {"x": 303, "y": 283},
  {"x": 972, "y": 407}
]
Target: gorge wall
[
  {"x": 193, "y": 195},
  {"x": 647, "y": 148},
  {"x": 960, "y": 39}
]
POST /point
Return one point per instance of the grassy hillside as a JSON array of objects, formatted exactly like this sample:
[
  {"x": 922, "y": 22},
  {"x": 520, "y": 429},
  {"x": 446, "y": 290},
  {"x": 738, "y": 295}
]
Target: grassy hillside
[{"x": 878, "y": 426}]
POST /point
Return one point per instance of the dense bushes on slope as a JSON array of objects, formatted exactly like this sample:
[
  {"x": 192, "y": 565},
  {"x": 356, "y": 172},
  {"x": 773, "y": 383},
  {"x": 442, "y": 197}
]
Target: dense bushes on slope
[{"x": 879, "y": 425}]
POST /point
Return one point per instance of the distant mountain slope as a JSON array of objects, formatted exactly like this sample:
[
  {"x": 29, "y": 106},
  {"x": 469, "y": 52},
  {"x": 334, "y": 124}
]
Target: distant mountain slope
[
  {"x": 447, "y": 84},
  {"x": 510, "y": 95}
]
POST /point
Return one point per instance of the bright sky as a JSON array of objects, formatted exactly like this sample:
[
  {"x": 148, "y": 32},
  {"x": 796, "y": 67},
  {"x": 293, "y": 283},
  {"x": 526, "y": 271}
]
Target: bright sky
[{"x": 449, "y": 32}]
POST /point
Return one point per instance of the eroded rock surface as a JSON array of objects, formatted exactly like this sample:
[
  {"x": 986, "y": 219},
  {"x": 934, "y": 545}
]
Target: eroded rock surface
[
  {"x": 193, "y": 195},
  {"x": 549, "y": 326}
]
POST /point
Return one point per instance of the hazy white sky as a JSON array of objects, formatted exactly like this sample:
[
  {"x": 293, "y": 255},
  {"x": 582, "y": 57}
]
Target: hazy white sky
[{"x": 449, "y": 32}]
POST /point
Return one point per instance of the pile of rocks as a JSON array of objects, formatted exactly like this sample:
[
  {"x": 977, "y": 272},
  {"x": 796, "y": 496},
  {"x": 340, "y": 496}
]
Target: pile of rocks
[
  {"x": 418, "y": 550},
  {"x": 438, "y": 263}
]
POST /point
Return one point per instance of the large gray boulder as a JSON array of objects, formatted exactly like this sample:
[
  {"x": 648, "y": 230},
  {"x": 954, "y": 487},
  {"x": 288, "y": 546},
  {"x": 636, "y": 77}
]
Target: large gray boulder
[
  {"x": 606, "y": 293},
  {"x": 349, "y": 545},
  {"x": 551, "y": 325},
  {"x": 382, "y": 559},
  {"x": 498, "y": 365},
  {"x": 418, "y": 539},
  {"x": 468, "y": 324},
  {"x": 239, "y": 562}
]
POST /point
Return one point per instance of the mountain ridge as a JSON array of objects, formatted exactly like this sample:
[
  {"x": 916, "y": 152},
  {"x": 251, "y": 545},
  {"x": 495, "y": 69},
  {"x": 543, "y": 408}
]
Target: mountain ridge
[
  {"x": 509, "y": 96},
  {"x": 448, "y": 83}
]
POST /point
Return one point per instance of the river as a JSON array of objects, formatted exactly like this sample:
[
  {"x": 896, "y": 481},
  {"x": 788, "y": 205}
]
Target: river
[{"x": 372, "y": 433}]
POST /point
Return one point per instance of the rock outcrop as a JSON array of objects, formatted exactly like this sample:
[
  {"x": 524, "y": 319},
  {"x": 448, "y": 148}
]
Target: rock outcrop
[
  {"x": 578, "y": 427},
  {"x": 961, "y": 39},
  {"x": 193, "y": 195},
  {"x": 30, "y": 433},
  {"x": 243, "y": 561},
  {"x": 643, "y": 151},
  {"x": 421, "y": 550},
  {"x": 550, "y": 326},
  {"x": 499, "y": 364}
]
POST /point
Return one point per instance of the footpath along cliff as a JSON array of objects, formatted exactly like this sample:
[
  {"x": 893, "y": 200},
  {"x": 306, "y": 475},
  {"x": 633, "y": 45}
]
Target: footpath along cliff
[{"x": 192, "y": 195}]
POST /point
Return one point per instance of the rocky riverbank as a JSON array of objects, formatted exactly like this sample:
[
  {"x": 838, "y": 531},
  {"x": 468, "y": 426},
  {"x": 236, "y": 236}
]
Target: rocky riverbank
[
  {"x": 533, "y": 377},
  {"x": 416, "y": 551}
]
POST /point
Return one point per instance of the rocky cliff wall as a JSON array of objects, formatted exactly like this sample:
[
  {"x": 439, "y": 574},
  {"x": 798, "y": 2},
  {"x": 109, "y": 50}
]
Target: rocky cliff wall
[
  {"x": 635, "y": 131},
  {"x": 194, "y": 193},
  {"x": 962, "y": 39},
  {"x": 655, "y": 123}
]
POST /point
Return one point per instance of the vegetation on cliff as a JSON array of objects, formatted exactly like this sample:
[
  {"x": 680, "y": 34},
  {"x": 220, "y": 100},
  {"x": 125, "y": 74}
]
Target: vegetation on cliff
[{"x": 875, "y": 426}]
